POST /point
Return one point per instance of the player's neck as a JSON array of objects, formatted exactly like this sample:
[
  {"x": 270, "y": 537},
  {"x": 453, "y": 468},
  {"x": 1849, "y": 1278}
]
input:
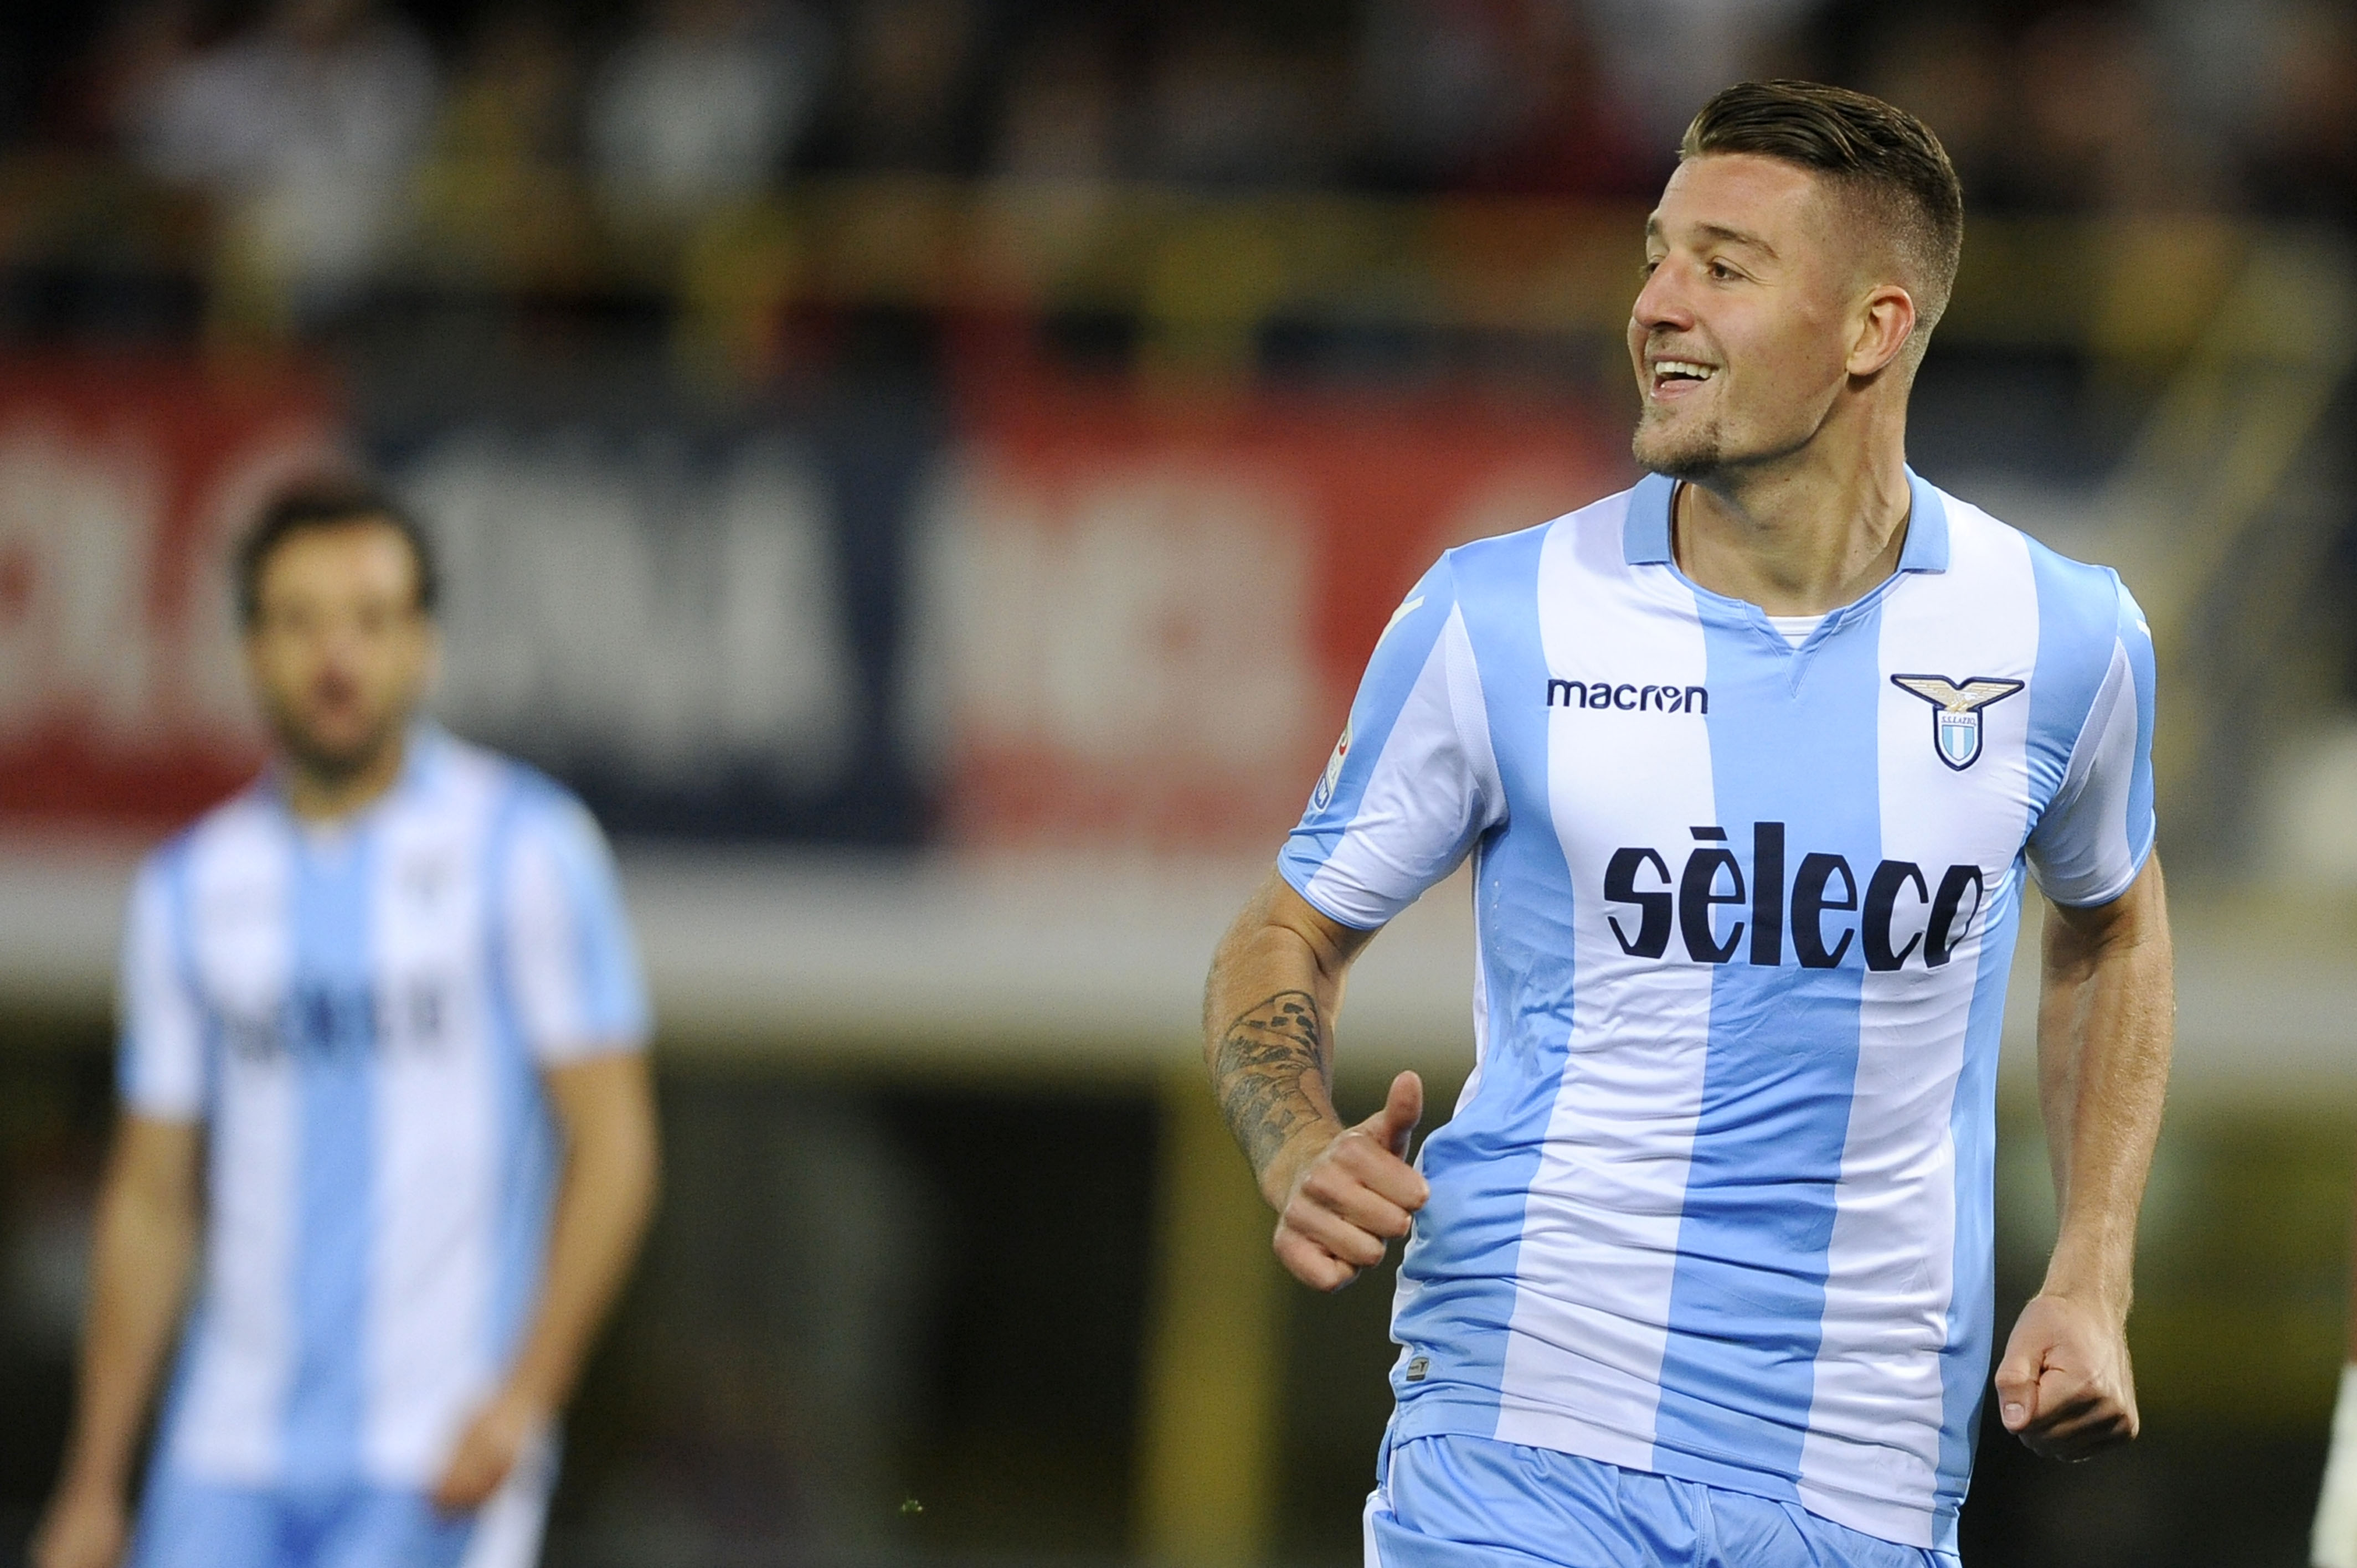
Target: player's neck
[
  {"x": 1807, "y": 534},
  {"x": 322, "y": 795}
]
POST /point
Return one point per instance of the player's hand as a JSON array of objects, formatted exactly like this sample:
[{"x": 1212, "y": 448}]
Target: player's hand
[
  {"x": 487, "y": 1450},
  {"x": 2065, "y": 1387},
  {"x": 1349, "y": 1199},
  {"x": 86, "y": 1527}
]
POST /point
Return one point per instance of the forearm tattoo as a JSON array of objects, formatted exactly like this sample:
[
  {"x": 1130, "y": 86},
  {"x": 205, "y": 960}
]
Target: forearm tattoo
[{"x": 1270, "y": 1071}]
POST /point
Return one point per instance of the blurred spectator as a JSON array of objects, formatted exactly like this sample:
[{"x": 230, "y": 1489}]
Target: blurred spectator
[
  {"x": 1950, "y": 69},
  {"x": 1061, "y": 116},
  {"x": 2219, "y": 60},
  {"x": 706, "y": 105},
  {"x": 909, "y": 86},
  {"x": 308, "y": 125},
  {"x": 101, "y": 99},
  {"x": 1571, "y": 133},
  {"x": 2093, "y": 133},
  {"x": 1668, "y": 56},
  {"x": 1442, "y": 82},
  {"x": 1225, "y": 108},
  {"x": 2303, "y": 155},
  {"x": 512, "y": 100},
  {"x": 508, "y": 119}
]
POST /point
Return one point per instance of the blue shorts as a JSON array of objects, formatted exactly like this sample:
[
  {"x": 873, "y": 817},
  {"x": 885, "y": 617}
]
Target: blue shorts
[
  {"x": 1474, "y": 1502},
  {"x": 187, "y": 1522}
]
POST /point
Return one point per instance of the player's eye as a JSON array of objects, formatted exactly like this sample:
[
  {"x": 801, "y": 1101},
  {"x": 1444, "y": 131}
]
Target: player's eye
[{"x": 1721, "y": 273}]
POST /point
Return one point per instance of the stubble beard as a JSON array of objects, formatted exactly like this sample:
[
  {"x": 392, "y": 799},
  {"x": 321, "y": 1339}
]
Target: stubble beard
[
  {"x": 1693, "y": 455},
  {"x": 332, "y": 762}
]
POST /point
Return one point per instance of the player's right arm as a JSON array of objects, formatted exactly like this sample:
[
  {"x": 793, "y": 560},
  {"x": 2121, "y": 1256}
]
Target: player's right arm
[
  {"x": 143, "y": 1244},
  {"x": 1342, "y": 1194},
  {"x": 1408, "y": 790},
  {"x": 145, "y": 1231}
]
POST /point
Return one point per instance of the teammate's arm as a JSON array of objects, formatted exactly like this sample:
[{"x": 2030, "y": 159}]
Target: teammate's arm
[
  {"x": 1341, "y": 1193},
  {"x": 2106, "y": 1020},
  {"x": 143, "y": 1243},
  {"x": 605, "y": 1105}
]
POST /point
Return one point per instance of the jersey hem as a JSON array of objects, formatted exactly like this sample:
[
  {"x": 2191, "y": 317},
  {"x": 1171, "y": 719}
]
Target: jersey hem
[
  {"x": 574, "y": 1050},
  {"x": 1899, "y": 1523},
  {"x": 2118, "y": 891},
  {"x": 176, "y": 1113},
  {"x": 1299, "y": 884}
]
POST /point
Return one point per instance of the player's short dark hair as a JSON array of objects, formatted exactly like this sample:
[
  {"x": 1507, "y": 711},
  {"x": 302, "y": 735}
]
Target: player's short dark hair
[
  {"x": 1886, "y": 157},
  {"x": 333, "y": 502}
]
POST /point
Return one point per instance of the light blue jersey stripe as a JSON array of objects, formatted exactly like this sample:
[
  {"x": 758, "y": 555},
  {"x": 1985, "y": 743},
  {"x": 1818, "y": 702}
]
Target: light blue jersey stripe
[
  {"x": 2077, "y": 619},
  {"x": 527, "y": 1152},
  {"x": 331, "y": 1027},
  {"x": 1457, "y": 1279},
  {"x": 1737, "y": 1373}
]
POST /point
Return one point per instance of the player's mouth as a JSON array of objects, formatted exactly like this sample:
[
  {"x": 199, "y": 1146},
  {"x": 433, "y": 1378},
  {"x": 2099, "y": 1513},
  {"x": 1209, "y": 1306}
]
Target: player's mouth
[{"x": 1675, "y": 378}]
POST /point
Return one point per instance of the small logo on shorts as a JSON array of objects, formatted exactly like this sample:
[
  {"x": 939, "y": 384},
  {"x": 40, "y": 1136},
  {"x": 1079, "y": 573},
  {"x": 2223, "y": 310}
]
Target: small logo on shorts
[
  {"x": 1417, "y": 1367},
  {"x": 1957, "y": 712}
]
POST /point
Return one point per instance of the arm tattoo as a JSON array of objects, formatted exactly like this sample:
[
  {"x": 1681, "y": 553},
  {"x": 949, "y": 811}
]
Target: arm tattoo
[{"x": 1271, "y": 1073}]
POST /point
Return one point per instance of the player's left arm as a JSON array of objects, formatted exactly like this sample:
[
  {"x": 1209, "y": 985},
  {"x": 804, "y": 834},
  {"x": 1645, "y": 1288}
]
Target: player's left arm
[
  {"x": 580, "y": 1001},
  {"x": 2105, "y": 1022},
  {"x": 605, "y": 1105}
]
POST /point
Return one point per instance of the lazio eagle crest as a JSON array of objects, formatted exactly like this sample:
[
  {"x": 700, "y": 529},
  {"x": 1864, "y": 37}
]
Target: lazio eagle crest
[{"x": 1957, "y": 712}]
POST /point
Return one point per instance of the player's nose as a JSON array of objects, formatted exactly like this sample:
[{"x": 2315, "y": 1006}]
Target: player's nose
[{"x": 1661, "y": 304}]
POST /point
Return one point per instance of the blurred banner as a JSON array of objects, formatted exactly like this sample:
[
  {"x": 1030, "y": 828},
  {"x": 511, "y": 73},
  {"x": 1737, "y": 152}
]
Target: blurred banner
[
  {"x": 123, "y": 485},
  {"x": 1062, "y": 615},
  {"x": 1147, "y": 615}
]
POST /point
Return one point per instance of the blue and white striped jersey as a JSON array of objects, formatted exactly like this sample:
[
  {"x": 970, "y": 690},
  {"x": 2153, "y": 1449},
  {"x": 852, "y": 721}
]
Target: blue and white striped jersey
[
  {"x": 1715, "y": 1201},
  {"x": 358, "y": 1013}
]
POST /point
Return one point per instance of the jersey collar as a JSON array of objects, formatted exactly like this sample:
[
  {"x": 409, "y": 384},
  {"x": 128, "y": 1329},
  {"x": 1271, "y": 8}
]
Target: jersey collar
[{"x": 1645, "y": 536}]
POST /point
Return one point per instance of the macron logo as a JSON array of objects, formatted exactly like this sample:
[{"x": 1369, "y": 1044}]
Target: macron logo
[{"x": 1627, "y": 697}]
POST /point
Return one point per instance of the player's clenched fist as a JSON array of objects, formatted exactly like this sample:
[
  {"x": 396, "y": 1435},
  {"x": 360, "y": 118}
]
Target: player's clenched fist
[
  {"x": 1349, "y": 1200},
  {"x": 2065, "y": 1387}
]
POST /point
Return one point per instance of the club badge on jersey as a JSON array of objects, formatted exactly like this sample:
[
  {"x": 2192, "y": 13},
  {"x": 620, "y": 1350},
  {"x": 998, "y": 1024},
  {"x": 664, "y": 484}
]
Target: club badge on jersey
[{"x": 1957, "y": 712}]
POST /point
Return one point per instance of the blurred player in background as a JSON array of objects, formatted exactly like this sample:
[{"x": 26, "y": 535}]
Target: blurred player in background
[
  {"x": 1750, "y": 760},
  {"x": 383, "y": 1070}
]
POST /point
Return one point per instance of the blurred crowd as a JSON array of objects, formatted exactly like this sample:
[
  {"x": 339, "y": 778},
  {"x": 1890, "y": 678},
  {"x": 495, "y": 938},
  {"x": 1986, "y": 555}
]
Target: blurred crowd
[{"x": 325, "y": 129}]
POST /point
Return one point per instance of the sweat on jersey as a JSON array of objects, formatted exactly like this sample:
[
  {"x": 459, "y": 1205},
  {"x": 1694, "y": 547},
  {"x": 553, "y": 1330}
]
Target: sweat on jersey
[
  {"x": 1716, "y": 1202},
  {"x": 358, "y": 1014}
]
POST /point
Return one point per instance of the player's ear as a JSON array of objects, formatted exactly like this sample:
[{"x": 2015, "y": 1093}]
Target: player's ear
[{"x": 1885, "y": 321}]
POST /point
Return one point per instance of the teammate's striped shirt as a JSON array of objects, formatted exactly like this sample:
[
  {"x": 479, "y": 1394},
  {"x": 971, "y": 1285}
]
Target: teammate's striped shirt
[
  {"x": 1716, "y": 1202},
  {"x": 358, "y": 1014}
]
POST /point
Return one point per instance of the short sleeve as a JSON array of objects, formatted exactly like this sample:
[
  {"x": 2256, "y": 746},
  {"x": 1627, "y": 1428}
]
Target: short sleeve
[
  {"x": 2094, "y": 837},
  {"x": 573, "y": 968},
  {"x": 160, "y": 1064},
  {"x": 1413, "y": 782}
]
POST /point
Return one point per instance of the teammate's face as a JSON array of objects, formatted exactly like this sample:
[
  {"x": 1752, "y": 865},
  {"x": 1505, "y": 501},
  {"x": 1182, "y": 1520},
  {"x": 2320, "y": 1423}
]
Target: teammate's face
[
  {"x": 1737, "y": 334},
  {"x": 340, "y": 650}
]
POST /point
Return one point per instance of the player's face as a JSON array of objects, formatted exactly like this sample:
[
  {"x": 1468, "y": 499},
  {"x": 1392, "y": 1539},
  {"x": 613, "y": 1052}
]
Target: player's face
[
  {"x": 1737, "y": 334},
  {"x": 339, "y": 651}
]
